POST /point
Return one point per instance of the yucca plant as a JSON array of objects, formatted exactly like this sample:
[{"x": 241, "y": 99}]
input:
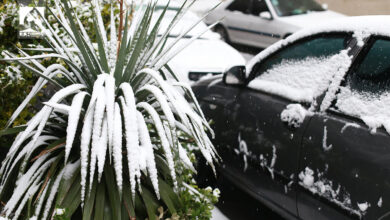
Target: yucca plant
[{"x": 110, "y": 141}]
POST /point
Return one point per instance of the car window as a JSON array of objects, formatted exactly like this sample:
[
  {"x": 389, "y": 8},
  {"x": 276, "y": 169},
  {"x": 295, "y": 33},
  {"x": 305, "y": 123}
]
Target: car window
[
  {"x": 240, "y": 5},
  {"x": 259, "y": 6},
  {"x": 372, "y": 75},
  {"x": 366, "y": 91},
  {"x": 295, "y": 7},
  {"x": 303, "y": 70}
]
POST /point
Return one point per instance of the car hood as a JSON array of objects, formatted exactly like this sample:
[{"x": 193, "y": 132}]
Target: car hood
[
  {"x": 204, "y": 56},
  {"x": 311, "y": 19}
]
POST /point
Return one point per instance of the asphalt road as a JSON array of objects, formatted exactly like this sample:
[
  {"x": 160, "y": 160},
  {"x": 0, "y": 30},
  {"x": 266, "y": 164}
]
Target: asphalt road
[{"x": 247, "y": 52}]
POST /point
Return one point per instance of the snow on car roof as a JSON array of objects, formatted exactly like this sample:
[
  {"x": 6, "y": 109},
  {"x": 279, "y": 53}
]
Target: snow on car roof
[{"x": 361, "y": 26}]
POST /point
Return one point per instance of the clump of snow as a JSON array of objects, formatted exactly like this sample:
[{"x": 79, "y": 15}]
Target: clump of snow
[
  {"x": 307, "y": 177},
  {"x": 60, "y": 212},
  {"x": 380, "y": 202},
  {"x": 360, "y": 37},
  {"x": 294, "y": 115},
  {"x": 363, "y": 206}
]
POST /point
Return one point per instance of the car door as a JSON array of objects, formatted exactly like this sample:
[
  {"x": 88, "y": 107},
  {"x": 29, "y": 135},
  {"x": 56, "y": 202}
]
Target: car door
[
  {"x": 268, "y": 143},
  {"x": 236, "y": 21},
  {"x": 345, "y": 159},
  {"x": 263, "y": 31}
]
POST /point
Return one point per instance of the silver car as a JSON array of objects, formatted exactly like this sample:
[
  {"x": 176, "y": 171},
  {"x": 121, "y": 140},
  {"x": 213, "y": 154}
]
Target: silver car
[{"x": 260, "y": 23}]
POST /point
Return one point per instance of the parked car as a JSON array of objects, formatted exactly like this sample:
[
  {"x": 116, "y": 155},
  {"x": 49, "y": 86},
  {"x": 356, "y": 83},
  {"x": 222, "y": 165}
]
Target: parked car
[
  {"x": 304, "y": 127},
  {"x": 207, "y": 55},
  {"x": 260, "y": 23}
]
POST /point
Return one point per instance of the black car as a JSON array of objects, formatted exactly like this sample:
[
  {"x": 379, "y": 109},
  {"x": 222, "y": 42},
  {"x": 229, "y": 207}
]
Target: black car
[{"x": 304, "y": 128}]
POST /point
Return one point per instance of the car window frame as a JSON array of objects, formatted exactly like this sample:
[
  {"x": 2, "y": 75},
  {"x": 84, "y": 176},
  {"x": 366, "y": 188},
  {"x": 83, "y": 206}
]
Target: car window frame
[
  {"x": 369, "y": 43},
  {"x": 249, "y": 9},
  {"x": 357, "y": 60},
  {"x": 253, "y": 6},
  {"x": 252, "y": 74}
]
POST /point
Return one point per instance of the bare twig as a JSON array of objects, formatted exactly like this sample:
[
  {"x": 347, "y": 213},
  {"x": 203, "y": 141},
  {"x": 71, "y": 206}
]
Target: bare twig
[{"x": 121, "y": 2}]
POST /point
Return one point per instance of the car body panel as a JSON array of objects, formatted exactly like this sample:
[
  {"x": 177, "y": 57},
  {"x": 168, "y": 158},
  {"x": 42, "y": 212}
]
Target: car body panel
[
  {"x": 270, "y": 146},
  {"x": 356, "y": 169},
  {"x": 204, "y": 57}
]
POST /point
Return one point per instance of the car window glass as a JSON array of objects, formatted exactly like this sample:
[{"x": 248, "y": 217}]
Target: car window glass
[
  {"x": 259, "y": 6},
  {"x": 240, "y": 5},
  {"x": 366, "y": 92},
  {"x": 301, "y": 71},
  {"x": 295, "y": 7}
]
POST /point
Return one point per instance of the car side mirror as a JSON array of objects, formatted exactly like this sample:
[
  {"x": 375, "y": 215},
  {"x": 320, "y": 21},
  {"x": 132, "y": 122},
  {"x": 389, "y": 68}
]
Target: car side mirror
[
  {"x": 235, "y": 76},
  {"x": 265, "y": 15},
  {"x": 325, "y": 6}
]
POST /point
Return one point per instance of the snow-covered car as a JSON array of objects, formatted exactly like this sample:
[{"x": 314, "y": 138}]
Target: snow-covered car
[
  {"x": 260, "y": 23},
  {"x": 305, "y": 127},
  {"x": 207, "y": 55}
]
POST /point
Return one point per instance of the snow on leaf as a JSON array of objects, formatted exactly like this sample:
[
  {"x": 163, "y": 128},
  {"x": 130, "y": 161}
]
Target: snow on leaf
[
  {"x": 186, "y": 160},
  {"x": 163, "y": 137},
  {"x": 147, "y": 148},
  {"x": 97, "y": 131},
  {"x": 73, "y": 120},
  {"x": 52, "y": 194},
  {"x": 102, "y": 149},
  {"x": 117, "y": 146},
  {"x": 132, "y": 143},
  {"x": 110, "y": 100},
  {"x": 86, "y": 135}
]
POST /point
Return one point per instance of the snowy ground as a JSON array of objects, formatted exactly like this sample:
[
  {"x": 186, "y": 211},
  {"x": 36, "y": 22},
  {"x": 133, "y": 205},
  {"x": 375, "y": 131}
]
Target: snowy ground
[
  {"x": 218, "y": 215},
  {"x": 247, "y": 56}
]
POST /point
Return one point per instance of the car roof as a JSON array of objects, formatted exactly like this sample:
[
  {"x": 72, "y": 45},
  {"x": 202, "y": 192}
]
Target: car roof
[
  {"x": 361, "y": 26},
  {"x": 377, "y": 24}
]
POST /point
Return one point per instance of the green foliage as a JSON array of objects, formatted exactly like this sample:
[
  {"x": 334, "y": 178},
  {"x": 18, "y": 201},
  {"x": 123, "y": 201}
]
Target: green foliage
[{"x": 13, "y": 87}]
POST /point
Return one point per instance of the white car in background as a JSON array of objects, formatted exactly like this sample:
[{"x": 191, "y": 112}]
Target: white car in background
[
  {"x": 260, "y": 23},
  {"x": 206, "y": 56}
]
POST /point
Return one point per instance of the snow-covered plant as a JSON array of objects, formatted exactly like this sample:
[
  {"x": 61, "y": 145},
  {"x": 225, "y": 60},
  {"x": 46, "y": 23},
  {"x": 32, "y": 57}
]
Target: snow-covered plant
[{"x": 110, "y": 139}]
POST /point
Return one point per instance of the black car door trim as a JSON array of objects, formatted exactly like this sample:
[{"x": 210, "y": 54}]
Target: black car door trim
[{"x": 255, "y": 32}]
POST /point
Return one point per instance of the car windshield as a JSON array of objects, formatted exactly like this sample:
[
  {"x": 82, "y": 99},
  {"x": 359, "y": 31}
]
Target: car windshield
[{"x": 295, "y": 7}]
